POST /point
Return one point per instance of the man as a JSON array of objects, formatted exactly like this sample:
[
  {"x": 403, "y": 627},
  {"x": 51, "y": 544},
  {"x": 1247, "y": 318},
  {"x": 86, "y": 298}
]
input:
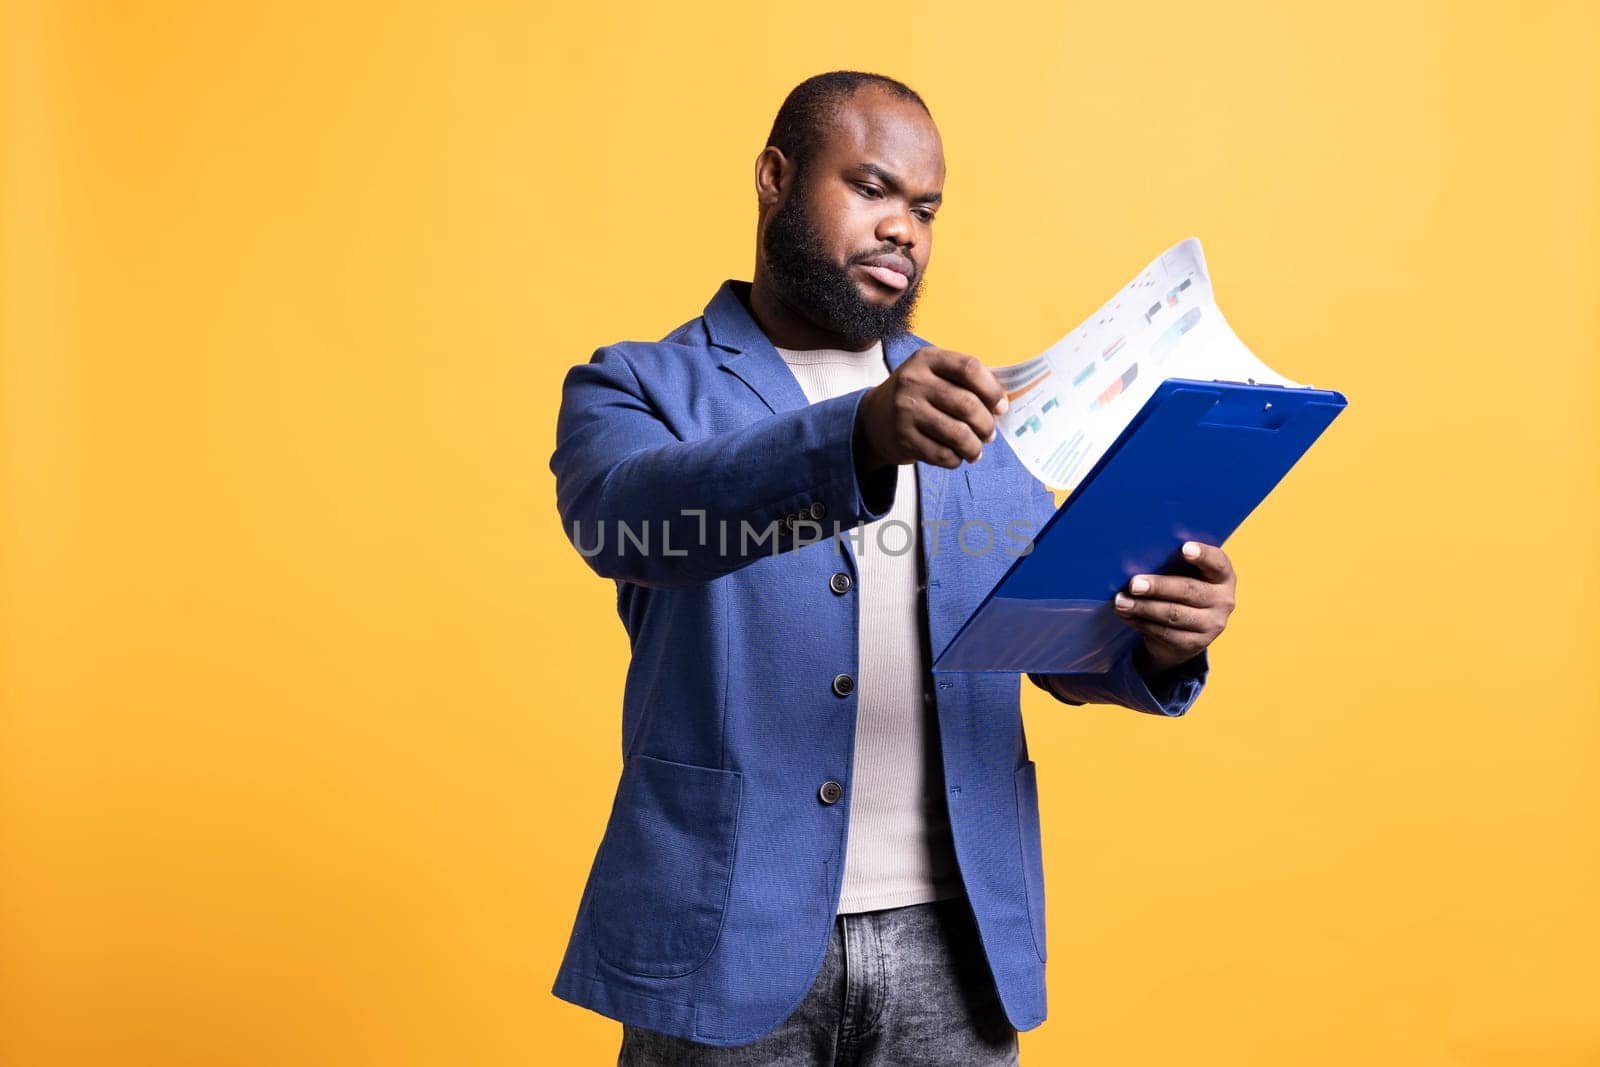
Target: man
[{"x": 819, "y": 853}]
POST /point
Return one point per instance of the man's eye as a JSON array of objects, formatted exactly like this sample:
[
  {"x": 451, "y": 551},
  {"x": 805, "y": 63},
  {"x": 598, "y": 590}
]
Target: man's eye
[
  {"x": 925, "y": 215},
  {"x": 868, "y": 191}
]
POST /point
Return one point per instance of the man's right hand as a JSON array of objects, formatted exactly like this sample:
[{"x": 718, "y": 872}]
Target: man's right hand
[{"x": 937, "y": 407}]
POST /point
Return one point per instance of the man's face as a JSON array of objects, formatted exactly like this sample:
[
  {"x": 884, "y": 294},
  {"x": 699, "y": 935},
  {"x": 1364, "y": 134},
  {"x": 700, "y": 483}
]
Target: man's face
[{"x": 849, "y": 245}]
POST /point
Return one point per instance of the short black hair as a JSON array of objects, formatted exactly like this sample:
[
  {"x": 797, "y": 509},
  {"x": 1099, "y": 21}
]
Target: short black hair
[{"x": 797, "y": 131}]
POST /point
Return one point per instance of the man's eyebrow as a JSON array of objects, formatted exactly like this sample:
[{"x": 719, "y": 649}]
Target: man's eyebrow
[{"x": 894, "y": 183}]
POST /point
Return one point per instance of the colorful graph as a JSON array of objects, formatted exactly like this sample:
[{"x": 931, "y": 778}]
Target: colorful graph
[
  {"x": 1014, "y": 393},
  {"x": 1163, "y": 345},
  {"x": 1116, "y": 387}
]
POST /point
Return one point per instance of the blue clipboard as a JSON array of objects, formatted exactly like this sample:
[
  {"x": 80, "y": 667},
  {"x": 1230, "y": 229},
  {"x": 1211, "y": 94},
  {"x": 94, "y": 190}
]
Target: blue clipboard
[{"x": 1191, "y": 466}]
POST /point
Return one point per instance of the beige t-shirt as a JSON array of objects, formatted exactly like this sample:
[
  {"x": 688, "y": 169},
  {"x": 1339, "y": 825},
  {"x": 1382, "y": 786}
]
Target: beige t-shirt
[{"x": 899, "y": 850}]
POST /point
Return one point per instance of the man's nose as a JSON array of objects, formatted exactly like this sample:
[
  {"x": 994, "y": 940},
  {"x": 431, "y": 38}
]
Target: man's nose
[{"x": 896, "y": 225}]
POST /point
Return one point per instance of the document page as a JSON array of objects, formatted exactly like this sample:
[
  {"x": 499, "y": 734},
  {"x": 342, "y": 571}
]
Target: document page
[{"x": 1070, "y": 403}]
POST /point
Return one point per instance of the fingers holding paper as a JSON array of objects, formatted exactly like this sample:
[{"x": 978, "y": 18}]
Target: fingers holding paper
[
  {"x": 937, "y": 407},
  {"x": 1180, "y": 616}
]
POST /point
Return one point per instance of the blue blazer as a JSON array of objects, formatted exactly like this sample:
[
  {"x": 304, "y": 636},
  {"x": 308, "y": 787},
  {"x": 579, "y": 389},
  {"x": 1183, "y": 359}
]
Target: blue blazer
[{"x": 694, "y": 473}]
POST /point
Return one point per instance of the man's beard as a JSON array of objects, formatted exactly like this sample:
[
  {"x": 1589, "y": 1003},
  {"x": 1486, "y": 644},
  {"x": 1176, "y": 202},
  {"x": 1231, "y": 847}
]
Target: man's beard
[{"x": 821, "y": 289}]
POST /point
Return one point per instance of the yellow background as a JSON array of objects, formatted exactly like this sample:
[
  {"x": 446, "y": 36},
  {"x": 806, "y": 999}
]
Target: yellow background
[{"x": 310, "y": 714}]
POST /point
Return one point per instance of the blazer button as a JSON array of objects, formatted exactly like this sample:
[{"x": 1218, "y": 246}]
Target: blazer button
[
  {"x": 840, "y": 583},
  {"x": 843, "y": 684},
  {"x": 818, "y": 509},
  {"x": 830, "y": 792}
]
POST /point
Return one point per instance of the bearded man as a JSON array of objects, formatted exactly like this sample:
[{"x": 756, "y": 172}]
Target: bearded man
[{"x": 819, "y": 852}]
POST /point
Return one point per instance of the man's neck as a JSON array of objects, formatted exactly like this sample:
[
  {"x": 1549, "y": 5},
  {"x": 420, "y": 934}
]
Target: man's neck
[{"x": 786, "y": 327}]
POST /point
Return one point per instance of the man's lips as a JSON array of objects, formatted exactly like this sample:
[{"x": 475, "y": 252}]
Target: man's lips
[{"x": 893, "y": 271}]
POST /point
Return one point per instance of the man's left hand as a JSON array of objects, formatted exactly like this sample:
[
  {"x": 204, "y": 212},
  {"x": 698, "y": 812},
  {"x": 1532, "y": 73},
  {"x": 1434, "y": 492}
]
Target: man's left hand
[{"x": 1180, "y": 617}]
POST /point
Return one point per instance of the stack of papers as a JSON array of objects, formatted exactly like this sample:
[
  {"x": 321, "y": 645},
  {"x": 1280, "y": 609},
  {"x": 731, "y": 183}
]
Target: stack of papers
[{"x": 1069, "y": 404}]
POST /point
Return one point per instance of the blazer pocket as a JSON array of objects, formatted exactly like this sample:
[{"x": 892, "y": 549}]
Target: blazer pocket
[
  {"x": 987, "y": 480},
  {"x": 1027, "y": 784},
  {"x": 665, "y": 866}
]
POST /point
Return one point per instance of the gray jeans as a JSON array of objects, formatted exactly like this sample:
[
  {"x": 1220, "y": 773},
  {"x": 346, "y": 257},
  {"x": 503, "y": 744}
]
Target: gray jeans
[{"x": 902, "y": 986}]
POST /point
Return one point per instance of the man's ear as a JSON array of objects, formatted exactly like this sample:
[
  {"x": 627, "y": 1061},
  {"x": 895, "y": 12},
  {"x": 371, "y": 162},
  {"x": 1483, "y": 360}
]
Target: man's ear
[{"x": 774, "y": 175}]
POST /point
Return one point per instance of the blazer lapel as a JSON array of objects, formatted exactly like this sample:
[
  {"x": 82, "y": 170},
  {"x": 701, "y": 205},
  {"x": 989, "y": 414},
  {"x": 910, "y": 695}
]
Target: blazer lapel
[{"x": 746, "y": 352}]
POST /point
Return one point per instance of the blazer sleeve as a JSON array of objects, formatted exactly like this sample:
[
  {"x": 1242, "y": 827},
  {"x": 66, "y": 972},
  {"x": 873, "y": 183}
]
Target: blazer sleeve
[
  {"x": 1129, "y": 683},
  {"x": 643, "y": 505},
  {"x": 1170, "y": 693}
]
